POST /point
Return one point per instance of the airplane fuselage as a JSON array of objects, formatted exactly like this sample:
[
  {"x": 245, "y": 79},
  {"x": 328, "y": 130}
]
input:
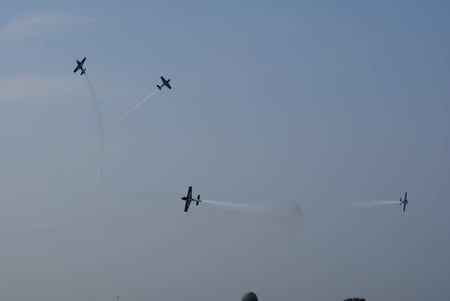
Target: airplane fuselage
[{"x": 186, "y": 199}]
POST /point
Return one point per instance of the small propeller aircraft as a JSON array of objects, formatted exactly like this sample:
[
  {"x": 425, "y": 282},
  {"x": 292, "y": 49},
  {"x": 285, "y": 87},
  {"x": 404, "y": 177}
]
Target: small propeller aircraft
[
  {"x": 404, "y": 202},
  {"x": 165, "y": 82},
  {"x": 80, "y": 66},
  {"x": 188, "y": 199}
]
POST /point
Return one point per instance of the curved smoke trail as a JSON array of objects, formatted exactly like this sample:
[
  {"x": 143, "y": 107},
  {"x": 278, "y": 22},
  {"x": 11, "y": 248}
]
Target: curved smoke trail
[
  {"x": 100, "y": 130},
  {"x": 134, "y": 108}
]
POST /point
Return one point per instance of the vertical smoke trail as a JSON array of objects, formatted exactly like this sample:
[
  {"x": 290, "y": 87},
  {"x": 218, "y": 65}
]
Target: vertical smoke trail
[
  {"x": 97, "y": 112},
  {"x": 97, "y": 174},
  {"x": 134, "y": 108},
  {"x": 100, "y": 130}
]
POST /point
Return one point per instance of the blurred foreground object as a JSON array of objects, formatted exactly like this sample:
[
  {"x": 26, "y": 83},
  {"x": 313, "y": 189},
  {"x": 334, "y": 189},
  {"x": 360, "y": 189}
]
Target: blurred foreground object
[{"x": 250, "y": 296}]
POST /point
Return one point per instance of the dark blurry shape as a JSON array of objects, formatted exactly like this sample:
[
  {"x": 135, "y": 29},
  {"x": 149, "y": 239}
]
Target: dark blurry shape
[
  {"x": 404, "y": 202},
  {"x": 250, "y": 296},
  {"x": 355, "y": 299},
  {"x": 165, "y": 82},
  {"x": 188, "y": 198},
  {"x": 80, "y": 66}
]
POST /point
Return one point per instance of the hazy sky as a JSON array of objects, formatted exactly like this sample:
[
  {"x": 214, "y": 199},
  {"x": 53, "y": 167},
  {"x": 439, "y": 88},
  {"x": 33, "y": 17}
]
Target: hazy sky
[{"x": 327, "y": 104}]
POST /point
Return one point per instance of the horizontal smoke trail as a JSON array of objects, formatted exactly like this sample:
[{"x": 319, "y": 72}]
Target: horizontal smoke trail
[
  {"x": 286, "y": 211},
  {"x": 376, "y": 203},
  {"x": 234, "y": 206},
  {"x": 134, "y": 108}
]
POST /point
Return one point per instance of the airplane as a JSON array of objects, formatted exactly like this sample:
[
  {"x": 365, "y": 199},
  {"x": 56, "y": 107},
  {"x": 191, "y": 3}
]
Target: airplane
[
  {"x": 165, "y": 82},
  {"x": 188, "y": 198},
  {"x": 404, "y": 202},
  {"x": 80, "y": 66}
]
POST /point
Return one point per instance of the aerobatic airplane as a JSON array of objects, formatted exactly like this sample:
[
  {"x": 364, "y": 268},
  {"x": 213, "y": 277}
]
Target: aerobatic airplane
[
  {"x": 80, "y": 66},
  {"x": 188, "y": 198},
  {"x": 404, "y": 202},
  {"x": 165, "y": 82}
]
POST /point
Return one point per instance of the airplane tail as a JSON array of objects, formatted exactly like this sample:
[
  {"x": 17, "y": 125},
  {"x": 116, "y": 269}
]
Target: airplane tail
[
  {"x": 198, "y": 200},
  {"x": 159, "y": 87}
]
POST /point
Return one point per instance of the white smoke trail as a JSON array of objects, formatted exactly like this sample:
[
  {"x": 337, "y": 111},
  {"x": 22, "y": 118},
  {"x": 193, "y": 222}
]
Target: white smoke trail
[
  {"x": 376, "y": 203},
  {"x": 134, "y": 108},
  {"x": 97, "y": 112},
  {"x": 97, "y": 174},
  {"x": 100, "y": 130},
  {"x": 285, "y": 211},
  {"x": 232, "y": 206}
]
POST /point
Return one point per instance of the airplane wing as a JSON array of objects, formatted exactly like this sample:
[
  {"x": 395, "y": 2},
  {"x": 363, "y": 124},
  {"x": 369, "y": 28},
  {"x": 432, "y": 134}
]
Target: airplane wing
[
  {"x": 83, "y": 60},
  {"x": 189, "y": 195},
  {"x": 168, "y": 86},
  {"x": 76, "y": 69},
  {"x": 186, "y": 206},
  {"x": 404, "y": 207},
  {"x": 163, "y": 79}
]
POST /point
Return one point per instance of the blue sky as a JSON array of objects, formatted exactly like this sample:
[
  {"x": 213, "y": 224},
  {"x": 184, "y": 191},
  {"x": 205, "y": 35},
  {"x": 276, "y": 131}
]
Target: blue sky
[{"x": 323, "y": 103}]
